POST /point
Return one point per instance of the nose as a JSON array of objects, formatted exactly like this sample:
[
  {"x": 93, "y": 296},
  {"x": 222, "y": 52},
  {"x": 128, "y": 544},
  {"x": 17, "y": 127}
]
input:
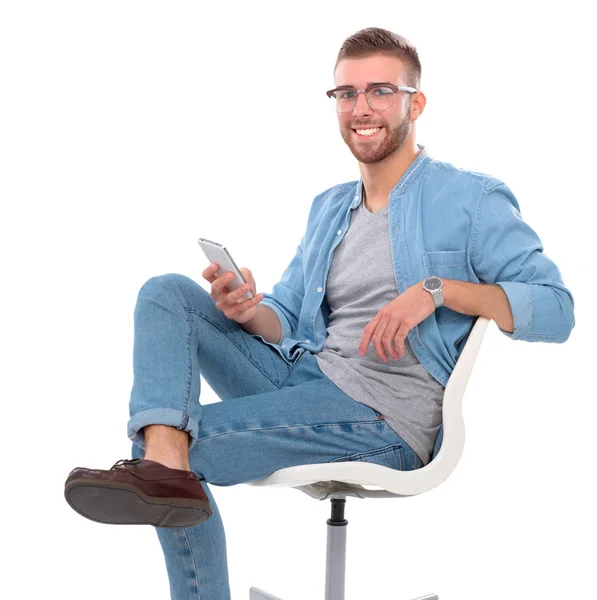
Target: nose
[{"x": 361, "y": 106}]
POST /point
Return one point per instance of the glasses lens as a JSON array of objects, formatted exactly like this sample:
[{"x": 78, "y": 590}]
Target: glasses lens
[
  {"x": 344, "y": 100},
  {"x": 380, "y": 97}
]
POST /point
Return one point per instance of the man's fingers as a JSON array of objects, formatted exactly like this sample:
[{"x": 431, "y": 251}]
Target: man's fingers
[
  {"x": 234, "y": 297},
  {"x": 237, "y": 309},
  {"x": 365, "y": 341},
  {"x": 210, "y": 272},
  {"x": 219, "y": 283},
  {"x": 388, "y": 342},
  {"x": 377, "y": 340},
  {"x": 368, "y": 334},
  {"x": 393, "y": 339},
  {"x": 399, "y": 338}
]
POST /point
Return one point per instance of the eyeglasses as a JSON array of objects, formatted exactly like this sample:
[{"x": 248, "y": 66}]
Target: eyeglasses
[{"x": 379, "y": 96}]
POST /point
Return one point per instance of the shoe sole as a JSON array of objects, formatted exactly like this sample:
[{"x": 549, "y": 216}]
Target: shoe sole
[{"x": 121, "y": 504}]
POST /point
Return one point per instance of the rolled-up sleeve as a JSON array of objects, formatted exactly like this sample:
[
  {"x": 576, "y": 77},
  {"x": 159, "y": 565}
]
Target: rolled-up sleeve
[
  {"x": 286, "y": 298},
  {"x": 507, "y": 252}
]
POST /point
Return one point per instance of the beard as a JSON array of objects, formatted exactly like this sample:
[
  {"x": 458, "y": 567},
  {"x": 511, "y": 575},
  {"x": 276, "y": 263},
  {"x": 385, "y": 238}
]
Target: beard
[{"x": 370, "y": 153}]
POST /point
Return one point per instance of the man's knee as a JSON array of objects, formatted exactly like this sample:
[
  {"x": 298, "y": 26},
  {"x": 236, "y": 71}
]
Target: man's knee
[
  {"x": 165, "y": 288},
  {"x": 160, "y": 284}
]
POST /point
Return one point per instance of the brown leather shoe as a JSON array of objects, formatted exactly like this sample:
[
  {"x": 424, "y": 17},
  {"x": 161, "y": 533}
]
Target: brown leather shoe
[{"x": 136, "y": 492}]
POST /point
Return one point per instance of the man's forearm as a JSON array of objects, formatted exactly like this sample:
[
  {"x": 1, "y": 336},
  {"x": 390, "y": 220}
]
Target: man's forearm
[
  {"x": 479, "y": 299},
  {"x": 266, "y": 324}
]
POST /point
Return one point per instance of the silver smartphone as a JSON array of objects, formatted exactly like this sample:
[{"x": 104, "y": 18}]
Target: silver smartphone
[{"x": 216, "y": 253}]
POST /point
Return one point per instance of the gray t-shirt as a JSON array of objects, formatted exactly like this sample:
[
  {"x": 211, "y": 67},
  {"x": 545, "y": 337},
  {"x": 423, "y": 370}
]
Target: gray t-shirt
[{"x": 360, "y": 282}]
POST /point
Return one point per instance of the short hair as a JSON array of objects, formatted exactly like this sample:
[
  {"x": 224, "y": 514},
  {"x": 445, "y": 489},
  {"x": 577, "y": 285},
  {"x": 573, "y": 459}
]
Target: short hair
[{"x": 374, "y": 40}]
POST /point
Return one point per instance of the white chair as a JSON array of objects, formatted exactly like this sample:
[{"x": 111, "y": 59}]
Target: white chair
[{"x": 338, "y": 480}]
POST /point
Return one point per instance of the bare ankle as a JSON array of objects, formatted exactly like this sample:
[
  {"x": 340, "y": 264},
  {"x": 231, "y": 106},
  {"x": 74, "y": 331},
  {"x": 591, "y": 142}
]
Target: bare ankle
[{"x": 167, "y": 445}]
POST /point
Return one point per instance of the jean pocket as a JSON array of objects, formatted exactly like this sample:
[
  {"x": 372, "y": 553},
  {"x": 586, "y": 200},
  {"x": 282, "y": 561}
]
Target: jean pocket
[{"x": 389, "y": 456}]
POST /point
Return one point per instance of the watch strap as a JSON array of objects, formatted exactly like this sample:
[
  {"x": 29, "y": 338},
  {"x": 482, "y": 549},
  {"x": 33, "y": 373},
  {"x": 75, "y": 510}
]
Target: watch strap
[{"x": 438, "y": 298}]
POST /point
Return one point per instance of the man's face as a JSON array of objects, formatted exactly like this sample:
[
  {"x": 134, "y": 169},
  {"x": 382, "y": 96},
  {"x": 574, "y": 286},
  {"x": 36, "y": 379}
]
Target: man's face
[{"x": 394, "y": 124}]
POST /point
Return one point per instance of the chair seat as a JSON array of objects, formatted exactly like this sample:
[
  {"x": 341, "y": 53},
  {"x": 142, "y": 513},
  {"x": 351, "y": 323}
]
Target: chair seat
[{"x": 348, "y": 478}]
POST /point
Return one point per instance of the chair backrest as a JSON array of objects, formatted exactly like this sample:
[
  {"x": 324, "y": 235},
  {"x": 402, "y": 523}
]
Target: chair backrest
[{"x": 454, "y": 392}]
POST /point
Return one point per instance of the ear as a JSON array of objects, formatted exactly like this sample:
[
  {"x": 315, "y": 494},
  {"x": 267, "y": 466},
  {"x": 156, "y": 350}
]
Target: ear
[{"x": 417, "y": 105}]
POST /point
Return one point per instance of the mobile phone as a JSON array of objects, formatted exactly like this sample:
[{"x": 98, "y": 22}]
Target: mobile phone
[{"x": 216, "y": 253}]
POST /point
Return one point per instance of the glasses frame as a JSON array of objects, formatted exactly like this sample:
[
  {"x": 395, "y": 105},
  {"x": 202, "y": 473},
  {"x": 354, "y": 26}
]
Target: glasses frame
[{"x": 349, "y": 88}]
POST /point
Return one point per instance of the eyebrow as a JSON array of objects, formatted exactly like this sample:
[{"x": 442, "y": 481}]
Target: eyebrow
[{"x": 369, "y": 83}]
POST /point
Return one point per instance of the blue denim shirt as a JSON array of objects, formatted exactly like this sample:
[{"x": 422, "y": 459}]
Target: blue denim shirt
[{"x": 443, "y": 221}]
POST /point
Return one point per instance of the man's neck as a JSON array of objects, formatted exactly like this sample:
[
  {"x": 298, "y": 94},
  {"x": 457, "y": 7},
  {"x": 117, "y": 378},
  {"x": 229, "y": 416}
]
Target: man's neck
[{"x": 380, "y": 178}]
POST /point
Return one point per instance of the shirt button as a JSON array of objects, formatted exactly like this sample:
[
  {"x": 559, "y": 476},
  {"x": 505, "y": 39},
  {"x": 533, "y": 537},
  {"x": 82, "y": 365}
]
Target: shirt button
[
  {"x": 320, "y": 289},
  {"x": 308, "y": 341},
  {"x": 339, "y": 231},
  {"x": 397, "y": 230}
]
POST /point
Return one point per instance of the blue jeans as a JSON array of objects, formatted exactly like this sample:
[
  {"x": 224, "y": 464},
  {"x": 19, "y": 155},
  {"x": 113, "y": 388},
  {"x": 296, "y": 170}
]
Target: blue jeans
[{"x": 273, "y": 415}]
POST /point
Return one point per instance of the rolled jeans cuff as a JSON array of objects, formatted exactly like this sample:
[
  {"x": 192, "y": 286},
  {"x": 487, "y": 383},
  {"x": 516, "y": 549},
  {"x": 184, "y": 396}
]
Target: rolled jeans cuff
[{"x": 161, "y": 416}]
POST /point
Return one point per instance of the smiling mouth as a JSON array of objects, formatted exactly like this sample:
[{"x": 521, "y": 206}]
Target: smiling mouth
[{"x": 367, "y": 132}]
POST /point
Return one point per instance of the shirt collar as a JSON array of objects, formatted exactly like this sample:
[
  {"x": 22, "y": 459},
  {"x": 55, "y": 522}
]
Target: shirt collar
[{"x": 404, "y": 182}]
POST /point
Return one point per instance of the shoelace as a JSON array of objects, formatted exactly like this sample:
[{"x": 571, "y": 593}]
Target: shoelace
[{"x": 125, "y": 463}]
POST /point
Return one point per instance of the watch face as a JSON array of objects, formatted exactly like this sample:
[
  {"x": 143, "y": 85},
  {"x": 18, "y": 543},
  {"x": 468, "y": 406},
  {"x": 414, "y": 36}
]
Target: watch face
[{"x": 433, "y": 283}]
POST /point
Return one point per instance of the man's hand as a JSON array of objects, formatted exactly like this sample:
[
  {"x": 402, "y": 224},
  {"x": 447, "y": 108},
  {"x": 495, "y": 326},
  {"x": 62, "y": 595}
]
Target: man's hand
[
  {"x": 232, "y": 303},
  {"x": 391, "y": 324}
]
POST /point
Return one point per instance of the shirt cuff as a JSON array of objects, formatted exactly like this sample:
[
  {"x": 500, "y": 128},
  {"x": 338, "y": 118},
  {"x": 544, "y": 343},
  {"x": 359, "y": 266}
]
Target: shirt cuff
[
  {"x": 284, "y": 322},
  {"x": 521, "y": 305}
]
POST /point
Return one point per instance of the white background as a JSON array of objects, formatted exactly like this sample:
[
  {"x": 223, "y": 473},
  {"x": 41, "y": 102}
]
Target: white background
[{"x": 130, "y": 129}]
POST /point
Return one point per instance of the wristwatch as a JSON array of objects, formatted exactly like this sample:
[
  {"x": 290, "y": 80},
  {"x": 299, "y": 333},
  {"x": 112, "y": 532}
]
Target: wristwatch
[{"x": 435, "y": 287}]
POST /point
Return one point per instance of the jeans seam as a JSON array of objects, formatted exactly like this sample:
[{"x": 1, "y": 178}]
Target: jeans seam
[
  {"x": 185, "y": 416},
  {"x": 379, "y": 451},
  {"x": 209, "y": 437},
  {"x": 195, "y": 312},
  {"x": 186, "y": 535},
  {"x": 396, "y": 448}
]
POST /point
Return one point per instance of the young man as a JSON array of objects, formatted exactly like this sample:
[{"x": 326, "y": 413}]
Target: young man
[{"x": 348, "y": 357}]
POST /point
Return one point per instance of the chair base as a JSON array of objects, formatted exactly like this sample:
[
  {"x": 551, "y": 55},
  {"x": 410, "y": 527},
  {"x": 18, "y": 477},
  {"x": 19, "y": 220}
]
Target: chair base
[{"x": 335, "y": 558}]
